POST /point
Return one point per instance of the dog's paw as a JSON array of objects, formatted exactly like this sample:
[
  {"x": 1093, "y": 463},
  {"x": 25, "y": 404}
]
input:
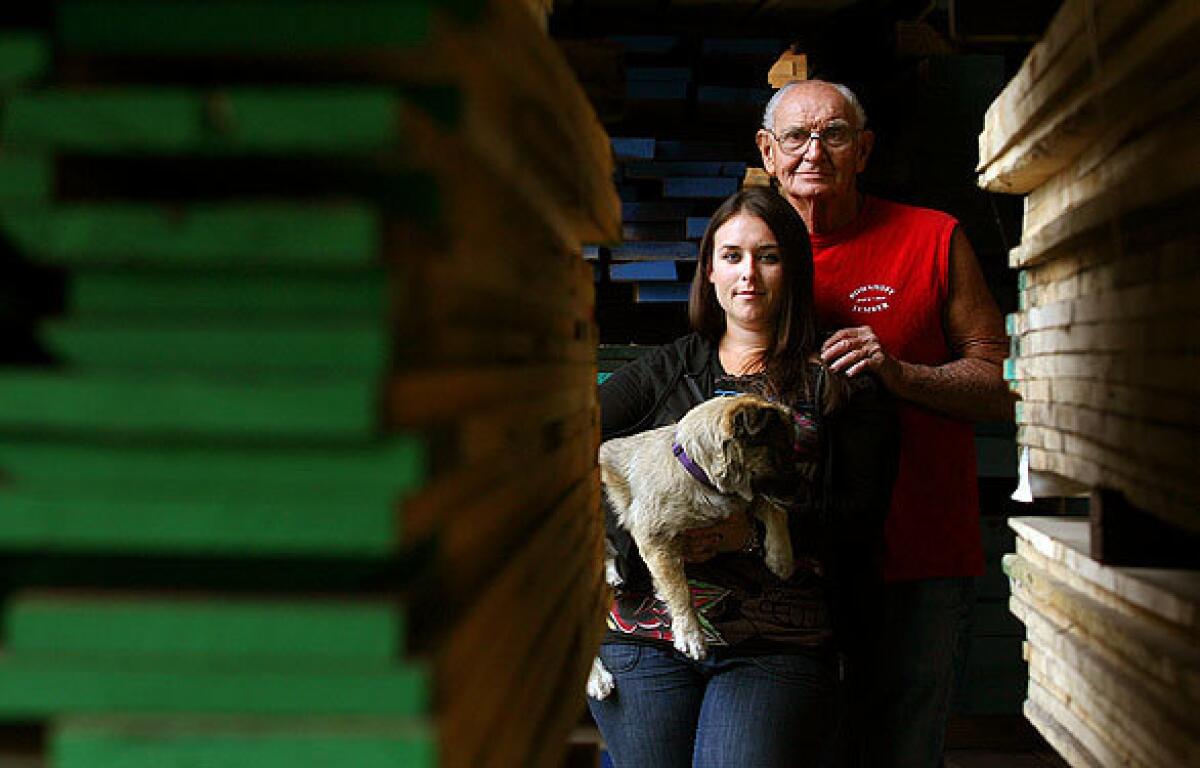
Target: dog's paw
[
  {"x": 780, "y": 561},
  {"x": 690, "y": 642},
  {"x": 600, "y": 681}
]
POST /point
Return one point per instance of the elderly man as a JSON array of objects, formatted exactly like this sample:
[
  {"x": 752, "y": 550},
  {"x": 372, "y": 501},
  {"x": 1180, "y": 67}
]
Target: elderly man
[{"x": 904, "y": 289}]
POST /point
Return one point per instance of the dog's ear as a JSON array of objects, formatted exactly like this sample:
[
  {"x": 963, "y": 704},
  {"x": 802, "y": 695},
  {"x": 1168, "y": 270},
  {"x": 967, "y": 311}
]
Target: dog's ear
[{"x": 753, "y": 419}]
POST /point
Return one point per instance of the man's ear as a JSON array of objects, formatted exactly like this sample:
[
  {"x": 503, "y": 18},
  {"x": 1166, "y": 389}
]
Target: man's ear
[
  {"x": 866, "y": 142},
  {"x": 763, "y": 139}
]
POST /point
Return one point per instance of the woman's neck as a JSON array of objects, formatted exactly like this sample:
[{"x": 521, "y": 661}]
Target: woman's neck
[{"x": 743, "y": 350}]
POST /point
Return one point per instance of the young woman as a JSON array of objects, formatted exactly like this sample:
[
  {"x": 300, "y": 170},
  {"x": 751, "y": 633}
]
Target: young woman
[{"x": 766, "y": 694}]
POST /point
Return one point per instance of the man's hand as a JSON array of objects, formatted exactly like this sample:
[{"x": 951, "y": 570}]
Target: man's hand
[
  {"x": 729, "y": 535},
  {"x": 853, "y": 350}
]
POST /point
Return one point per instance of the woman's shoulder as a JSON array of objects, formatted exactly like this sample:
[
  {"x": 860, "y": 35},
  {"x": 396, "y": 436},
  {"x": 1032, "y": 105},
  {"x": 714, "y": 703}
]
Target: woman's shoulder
[{"x": 690, "y": 352}]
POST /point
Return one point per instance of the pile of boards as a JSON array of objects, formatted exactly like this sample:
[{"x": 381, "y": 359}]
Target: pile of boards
[
  {"x": 310, "y": 476},
  {"x": 1098, "y": 129},
  {"x": 1113, "y": 653}
]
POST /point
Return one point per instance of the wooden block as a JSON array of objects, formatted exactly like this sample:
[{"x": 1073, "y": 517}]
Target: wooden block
[
  {"x": 176, "y": 120},
  {"x": 222, "y": 629},
  {"x": 229, "y": 27},
  {"x": 354, "y": 350},
  {"x": 790, "y": 66},
  {"x": 1057, "y": 735},
  {"x": 1173, "y": 596},
  {"x": 25, "y": 178},
  {"x": 187, "y": 295},
  {"x": 427, "y": 397},
  {"x": 756, "y": 177},
  {"x": 159, "y": 742},
  {"x": 34, "y": 687},
  {"x": 244, "y": 237},
  {"x": 1169, "y": 374},
  {"x": 24, "y": 57},
  {"x": 699, "y": 187},
  {"x": 1095, "y": 751},
  {"x": 678, "y": 251},
  {"x": 263, "y": 409},
  {"x": 1125, "y": 535}
]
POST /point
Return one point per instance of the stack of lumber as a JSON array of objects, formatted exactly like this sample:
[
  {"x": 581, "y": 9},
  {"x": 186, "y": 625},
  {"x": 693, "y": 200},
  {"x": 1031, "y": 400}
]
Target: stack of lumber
[
  {"x": 1113, "y": 653},
  {"x": 1098, "y": 129},
  {"x": 311, "y": 480}
]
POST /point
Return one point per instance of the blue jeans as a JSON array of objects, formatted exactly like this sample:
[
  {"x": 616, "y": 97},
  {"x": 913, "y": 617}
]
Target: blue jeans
[
  {"x": 923, "y": 650},
  {"x": 668, "y": 711}
]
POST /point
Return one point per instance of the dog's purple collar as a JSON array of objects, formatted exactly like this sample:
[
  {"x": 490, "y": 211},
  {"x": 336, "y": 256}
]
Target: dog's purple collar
[{"x": 694, "y": 469}]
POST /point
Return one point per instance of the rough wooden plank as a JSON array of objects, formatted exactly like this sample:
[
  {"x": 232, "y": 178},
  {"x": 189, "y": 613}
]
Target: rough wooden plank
[
  {"x": 34, "y": 687},
  {"x": 178, "y": 120},
  {"x": 1142, "y": 301},
  {"x": 309, "y": 632},
  {"x": 1091, "y": 742},
  {"x": 1054, "y": 64},
  {"x": 1173, "y": 596},
  {"x": 1138, "y": 646},
  {"x": 1057, "y": 735},
  {"x": 1170, "y": 374},
  {"x": 241, "y": 236},
  {"x": 788, "y": 67},
  {"x": 165, "y": 407},
  {"x": 212, "y": 295},
  {"x": 1116, "y": 703},
  {"x": 158, "y": 742},
  {"x": 332, "y": 348},
  {"x": 425, "y": 397}
]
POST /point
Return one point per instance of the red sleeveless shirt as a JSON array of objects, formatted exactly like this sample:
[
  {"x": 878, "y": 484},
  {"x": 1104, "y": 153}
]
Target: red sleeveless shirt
[{"x": 889, "y": 269}]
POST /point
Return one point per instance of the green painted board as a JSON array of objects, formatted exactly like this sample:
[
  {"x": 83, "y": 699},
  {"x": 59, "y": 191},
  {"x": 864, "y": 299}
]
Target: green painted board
[
  {"x": 273, "y": 743},
  {"x": 243, "y": 236},
  {"x": 310, "y": 632},
  {"x": 222, "y": 27},
  {"x": 234, "y": 121},
  {"x": 354, "y": 350},
  {"x": 36, "y": 686},
  {"x": 220, "y": 295},
  {"x": 25, "y": 178},
  {"x": 262, "y": 409},
  {"x": 24, "y": 57},
  {"x": 394, "y": 465},
  {"x": 336, "y": 523}
]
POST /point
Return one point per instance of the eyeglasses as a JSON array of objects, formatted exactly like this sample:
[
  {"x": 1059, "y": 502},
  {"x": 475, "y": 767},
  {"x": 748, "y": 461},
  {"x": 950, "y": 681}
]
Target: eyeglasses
[{"x": 794, "y": 141}]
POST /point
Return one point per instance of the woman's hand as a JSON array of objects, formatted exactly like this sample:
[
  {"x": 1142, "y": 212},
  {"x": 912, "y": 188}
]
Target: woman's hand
[{"x": 729, "y": 535}]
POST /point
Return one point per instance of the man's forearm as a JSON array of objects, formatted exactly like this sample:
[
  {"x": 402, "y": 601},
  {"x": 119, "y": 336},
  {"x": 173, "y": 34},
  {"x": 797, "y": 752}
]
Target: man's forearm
[{"x": 968, "y": 388}]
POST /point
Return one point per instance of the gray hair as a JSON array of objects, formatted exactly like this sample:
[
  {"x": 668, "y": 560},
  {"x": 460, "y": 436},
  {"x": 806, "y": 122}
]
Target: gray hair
[{"x": 860, "y": 114}]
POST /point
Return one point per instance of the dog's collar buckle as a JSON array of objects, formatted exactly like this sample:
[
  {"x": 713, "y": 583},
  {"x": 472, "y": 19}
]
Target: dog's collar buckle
[{"x": 693, "y": 469}]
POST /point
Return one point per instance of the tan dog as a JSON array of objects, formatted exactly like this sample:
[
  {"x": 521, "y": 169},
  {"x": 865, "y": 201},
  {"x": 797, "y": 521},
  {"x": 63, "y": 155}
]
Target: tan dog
[{"x": 721, "y": 459}]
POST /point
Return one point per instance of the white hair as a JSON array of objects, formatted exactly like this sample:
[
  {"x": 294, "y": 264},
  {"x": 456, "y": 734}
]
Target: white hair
[{"x": 860, "y": 114}]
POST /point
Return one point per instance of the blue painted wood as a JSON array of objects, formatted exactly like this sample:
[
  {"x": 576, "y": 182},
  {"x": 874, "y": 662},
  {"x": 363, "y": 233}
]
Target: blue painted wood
[
  {"x": 655, "y": 210},
  {"x": 699, "y": 150},
  {"x": 661, "y": 293},
  {"x": 629, "y": 148},
  {"x": 638, "y": 271},
  {"x": 661, "y": 170},
  {"x": 742, "y": 46},
  {"x": 591, "y": 252},
  {"x": 656, "y": 89},
  {"x": 694, "y": 227},
  {"x": 651, "y": 251},
  {"x": 721, "y": 94},
  {"x": 657, "y": 44},
  {"x": 658, "y": 74},
  {"x": 720, "y": 186}
]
